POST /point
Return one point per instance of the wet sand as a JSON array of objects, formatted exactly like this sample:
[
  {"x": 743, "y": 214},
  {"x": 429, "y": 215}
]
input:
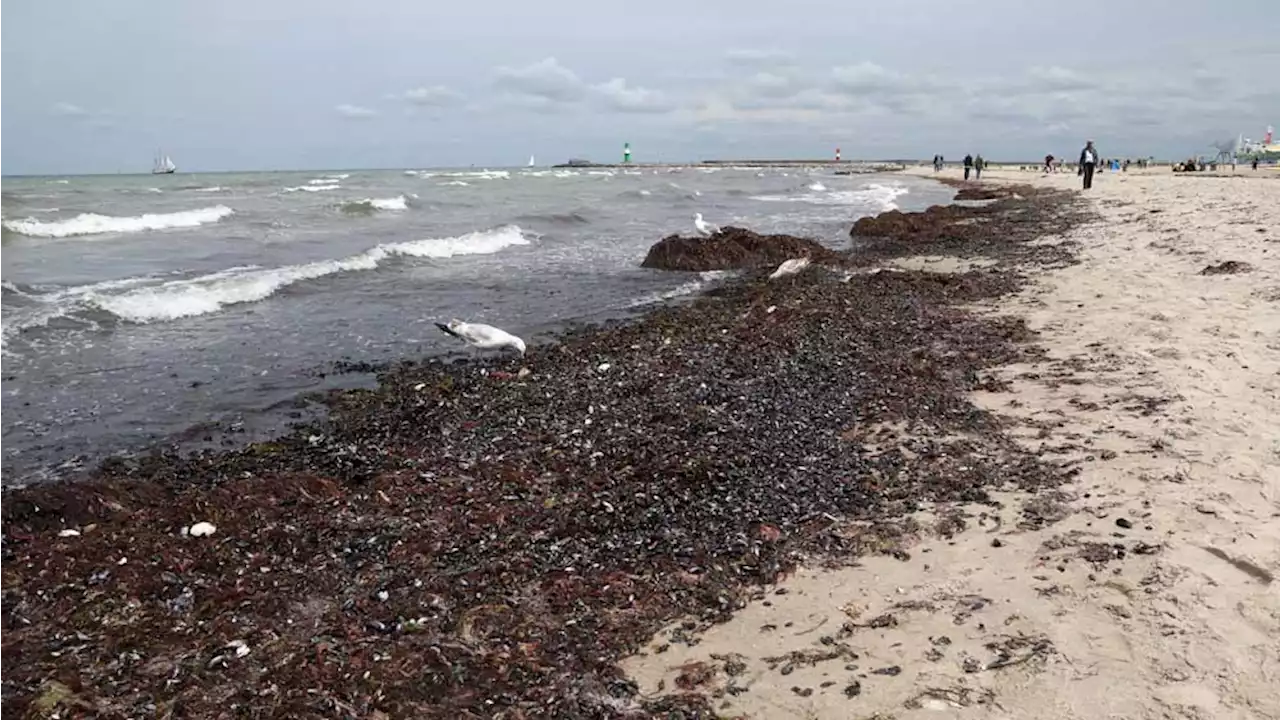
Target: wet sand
[
  {"x": 505, "y": 540},
  {"x": 1143, "y": 589}
]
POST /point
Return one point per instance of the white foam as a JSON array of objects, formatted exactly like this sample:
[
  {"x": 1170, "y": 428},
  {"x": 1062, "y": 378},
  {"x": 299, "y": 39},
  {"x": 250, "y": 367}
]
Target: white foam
[
  {"x": 215, "y": 188},
  {"x": 818, "y": 187},
  {"x": 328, "y": 179},
  {"x": 152, "y": 299},
  {"x": 312, "y": 188},
  {"x": 93, "y": 224},
  {"x": 456, "y": 183},
  {"x": 876, "y": 197},
  {"x": 399, "y": 202},
  {"x": 688, "y": 288}
]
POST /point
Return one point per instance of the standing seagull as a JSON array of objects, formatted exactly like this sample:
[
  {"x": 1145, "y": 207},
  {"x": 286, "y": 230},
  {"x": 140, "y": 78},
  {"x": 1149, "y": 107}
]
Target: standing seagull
[
  {"x": 704, "y": 228},
  {"x": 790, "y": 267},
  {"x": 482, "y": 337}
]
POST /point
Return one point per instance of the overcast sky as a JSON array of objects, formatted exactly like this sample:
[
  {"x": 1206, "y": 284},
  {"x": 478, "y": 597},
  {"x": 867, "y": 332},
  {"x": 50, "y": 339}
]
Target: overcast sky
[{"x": 98, "y": 86}]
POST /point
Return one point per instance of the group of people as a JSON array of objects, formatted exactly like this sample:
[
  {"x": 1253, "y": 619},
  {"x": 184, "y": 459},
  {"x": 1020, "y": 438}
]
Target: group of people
[
  {"x": 1089, "y": 163},
  {"x": 975, "y": 165}
]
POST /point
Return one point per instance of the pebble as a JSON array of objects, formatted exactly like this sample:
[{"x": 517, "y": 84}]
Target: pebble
[
  {"x": 69, "y": 533},
  {"x": 1124, "y": 523}
]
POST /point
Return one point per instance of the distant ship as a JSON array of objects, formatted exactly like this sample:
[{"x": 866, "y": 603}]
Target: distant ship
[
  {"x": 531, "y": 163},
  {"x": 164, "y": 165}
]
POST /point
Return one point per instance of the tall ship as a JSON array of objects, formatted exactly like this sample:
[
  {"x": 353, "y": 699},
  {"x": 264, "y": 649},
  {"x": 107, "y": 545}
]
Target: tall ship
[{"x": 163, "y": 165}]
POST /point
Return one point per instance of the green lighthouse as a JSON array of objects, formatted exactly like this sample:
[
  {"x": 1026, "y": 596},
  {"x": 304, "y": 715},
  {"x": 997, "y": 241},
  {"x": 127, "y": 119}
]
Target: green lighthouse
[{"x": 626, "y": 152}]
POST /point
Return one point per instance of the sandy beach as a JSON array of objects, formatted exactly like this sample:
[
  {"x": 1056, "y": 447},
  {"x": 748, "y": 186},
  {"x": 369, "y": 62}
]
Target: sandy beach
[
  {"x": 1143, "y": 589},
  {"x": 1008, "y": 459}
]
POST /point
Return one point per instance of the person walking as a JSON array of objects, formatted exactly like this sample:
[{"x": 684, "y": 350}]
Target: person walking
[
  {"x": 1255, "y": 164},
  {"x": 968, "y": 166},
  {"x": 978, "y": 164},
  {"x": 1088, "y": 163}
]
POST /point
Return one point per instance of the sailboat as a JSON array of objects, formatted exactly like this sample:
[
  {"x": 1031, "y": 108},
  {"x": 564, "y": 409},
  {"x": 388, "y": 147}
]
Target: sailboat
[
  {"x": 164, "y": 165},
  {"x": 531, "y": 163}
]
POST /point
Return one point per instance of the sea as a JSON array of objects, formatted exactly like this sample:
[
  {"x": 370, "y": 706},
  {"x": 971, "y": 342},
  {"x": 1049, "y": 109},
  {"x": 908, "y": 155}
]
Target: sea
[{"x": 143, "y": 310}]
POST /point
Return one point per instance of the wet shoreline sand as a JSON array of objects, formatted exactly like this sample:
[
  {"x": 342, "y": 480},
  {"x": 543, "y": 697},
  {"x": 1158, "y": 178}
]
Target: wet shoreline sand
[{"x": 459, "y": 544}]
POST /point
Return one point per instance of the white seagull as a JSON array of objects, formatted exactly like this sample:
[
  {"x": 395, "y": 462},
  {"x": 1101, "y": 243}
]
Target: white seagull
[
  {"x": 704, "y": 228},
  {"x": 790, "y": 267},
  {"x": 482, "y": 337}
]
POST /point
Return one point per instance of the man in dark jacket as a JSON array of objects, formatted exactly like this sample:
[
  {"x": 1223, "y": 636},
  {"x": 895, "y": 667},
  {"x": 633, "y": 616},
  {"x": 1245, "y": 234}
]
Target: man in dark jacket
[
  {"x": 968, "y": 165},
  {"x": 1088, "y": 162}
]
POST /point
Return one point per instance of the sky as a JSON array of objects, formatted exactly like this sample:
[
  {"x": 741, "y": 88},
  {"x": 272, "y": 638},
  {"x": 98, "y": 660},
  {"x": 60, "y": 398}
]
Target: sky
[{"x": 97, "y": 87}]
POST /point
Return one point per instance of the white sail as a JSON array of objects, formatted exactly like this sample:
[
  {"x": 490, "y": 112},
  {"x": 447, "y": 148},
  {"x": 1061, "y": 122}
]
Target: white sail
[
  {"x": 531, "y": 163},
  {"x": 164, "y": 165}
]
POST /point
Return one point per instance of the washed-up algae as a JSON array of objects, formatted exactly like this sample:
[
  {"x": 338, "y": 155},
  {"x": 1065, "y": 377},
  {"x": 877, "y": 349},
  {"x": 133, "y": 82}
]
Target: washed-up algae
[{"x": 470, "y": 540}]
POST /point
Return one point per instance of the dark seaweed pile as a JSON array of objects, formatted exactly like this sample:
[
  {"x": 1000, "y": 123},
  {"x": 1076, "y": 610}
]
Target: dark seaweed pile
[
  {"x": 489, "y": 539},
  {"x": 733, "y": 248},
  {"x": 967, "y": 231}
]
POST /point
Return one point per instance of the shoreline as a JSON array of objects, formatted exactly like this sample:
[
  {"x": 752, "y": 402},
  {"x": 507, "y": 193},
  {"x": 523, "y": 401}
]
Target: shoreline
[{"x": 362, "y": 530}]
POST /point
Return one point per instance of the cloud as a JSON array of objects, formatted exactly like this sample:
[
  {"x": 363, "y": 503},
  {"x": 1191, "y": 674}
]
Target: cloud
[
  {"x": 67, "y": 109},
  {"x": 1055, "y": 78},
  {"x": 757, "y": 57},
  {"x": 433, "y": 96},
  {"x": 867, "y": 78},
  {"x": 354, "y": 111},
  {"x": 773, "y": 85},
  {"x": 544, "y": 79},
  {"x": 617, "y": 95}
]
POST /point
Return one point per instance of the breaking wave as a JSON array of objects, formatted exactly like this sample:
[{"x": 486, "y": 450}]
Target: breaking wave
[
  {"x": 312, "y": 188},
  {"x": 875, "y": 197},
  {"x": 94, "y": 224},
  {"x": 688, "y": 288},
  {"x": 369, "y": 205},
  {"x": 152, "y": 299}
]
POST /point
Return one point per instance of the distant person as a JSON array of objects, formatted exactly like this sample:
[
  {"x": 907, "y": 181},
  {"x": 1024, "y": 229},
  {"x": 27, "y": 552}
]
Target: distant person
[
  {"x": 978, "y": 165},
  {"x": 1255, "y": 164},
  {"x": 1048, "y": 163},
  {"x": 1088, "y": 163},
  {"x": 968, "y": 166},
  {"x": 1125, "y": 166},
  {"x": 937, "y": 163}
]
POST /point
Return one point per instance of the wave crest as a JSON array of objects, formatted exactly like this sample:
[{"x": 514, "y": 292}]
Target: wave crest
[
  {"x": 369, "y": 205},
  {"x": 94, "y": 224},
  {"x": 152, "y": 299}
]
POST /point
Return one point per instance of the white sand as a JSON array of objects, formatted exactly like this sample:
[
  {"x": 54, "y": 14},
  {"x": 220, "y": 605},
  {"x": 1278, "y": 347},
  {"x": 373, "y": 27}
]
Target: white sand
[{"x": 1179, "y": 633}]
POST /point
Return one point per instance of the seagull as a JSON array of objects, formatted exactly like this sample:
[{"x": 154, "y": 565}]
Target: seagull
[
  {"x": 704, "y": 228},
  {"x": 482, "y": 337},
  {"x": 790, "y": 267}
]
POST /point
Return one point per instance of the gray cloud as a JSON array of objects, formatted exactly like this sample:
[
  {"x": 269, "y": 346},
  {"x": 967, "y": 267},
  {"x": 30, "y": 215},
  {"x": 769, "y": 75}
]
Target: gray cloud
[
  {"x": 754, "y": 57},
  {"x": 1055, "y": 78},
  {"x": 617, "y": 95},
  {"x": 354, "y": 112},
  {"x": 901, "y": 82},
  {"x": 67, "y": 109},
  {"x": 433, "y": 96},
  {"x": 545, "y": 79}
]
